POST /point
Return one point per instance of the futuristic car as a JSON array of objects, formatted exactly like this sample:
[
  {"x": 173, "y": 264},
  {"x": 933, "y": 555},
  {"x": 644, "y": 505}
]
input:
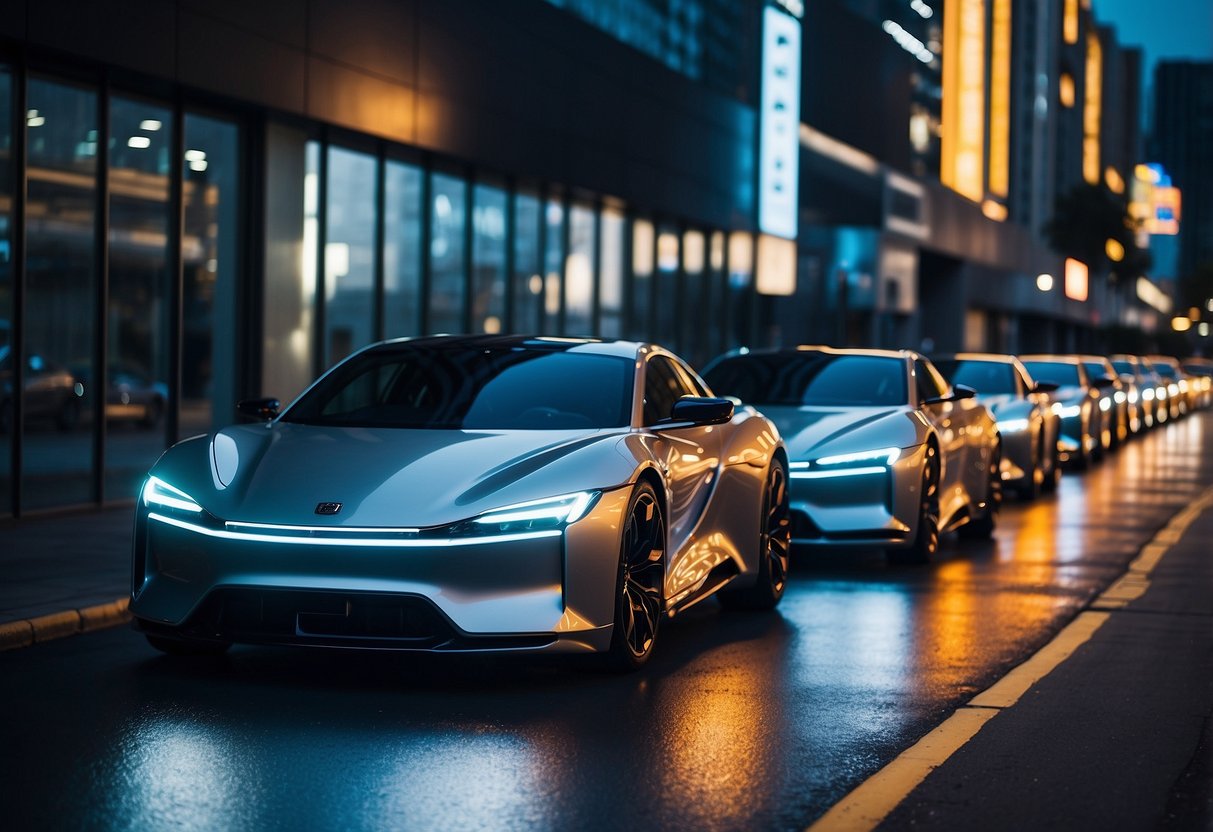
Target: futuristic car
[
  {"x": 1101, "y": 371},
  {"x": 1085, "y": 423},
  {"x": 1027, "y": 424},
  {"x": 881, "y": 452},
  {"x": 467, "y": 493},
  {"x": 1151, "y": 390},
  {"x": 1169, "y": 392},
  {"x": 1178, "y": 385}
]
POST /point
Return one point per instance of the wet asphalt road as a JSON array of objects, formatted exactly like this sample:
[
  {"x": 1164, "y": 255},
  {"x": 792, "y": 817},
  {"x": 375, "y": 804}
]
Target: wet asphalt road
[{"x": 742, "y": 721}]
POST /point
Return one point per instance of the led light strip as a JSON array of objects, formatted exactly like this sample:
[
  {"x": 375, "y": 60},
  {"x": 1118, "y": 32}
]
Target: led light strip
[
  {"x": 414, "y": 543},
  {"x": 838, "y": 472},
  {"x": 234, "y": 524}
]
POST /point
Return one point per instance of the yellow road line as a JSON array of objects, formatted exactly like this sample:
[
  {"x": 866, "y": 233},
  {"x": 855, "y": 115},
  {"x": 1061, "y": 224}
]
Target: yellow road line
[{"x": 872, "y": 800}]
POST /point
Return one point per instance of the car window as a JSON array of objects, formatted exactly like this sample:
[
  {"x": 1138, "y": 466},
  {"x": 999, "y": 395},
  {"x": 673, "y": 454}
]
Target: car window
[
  {"x": 810, "y": 378},
  {"x": 1057, "y": 372},
  {"x": 471, "y": 388},
  {"x": 988, "y": 377},
  {"x": 930, "y": 384},
  {"x": 664, "y": 384}
]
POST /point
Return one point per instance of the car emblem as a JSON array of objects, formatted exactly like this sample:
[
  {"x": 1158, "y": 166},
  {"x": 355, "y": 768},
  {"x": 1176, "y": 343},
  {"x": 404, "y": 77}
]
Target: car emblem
[{"x": 328, "y": 508}]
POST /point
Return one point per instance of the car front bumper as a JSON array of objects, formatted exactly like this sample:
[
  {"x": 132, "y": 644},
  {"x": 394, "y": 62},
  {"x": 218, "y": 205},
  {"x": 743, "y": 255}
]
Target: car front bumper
[{"x": 552, "y": 591}]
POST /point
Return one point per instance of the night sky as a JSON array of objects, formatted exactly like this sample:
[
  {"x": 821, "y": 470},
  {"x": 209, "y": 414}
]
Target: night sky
[{"x": 1167, "y": 29}]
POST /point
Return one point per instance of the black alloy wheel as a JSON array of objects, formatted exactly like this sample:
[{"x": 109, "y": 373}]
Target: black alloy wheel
[
  {"x": 982, "y": 526},
  {"x": 926, "y": 538},
  {"x": 640, "y": 584},
  {"x": 774, "y": 548}
]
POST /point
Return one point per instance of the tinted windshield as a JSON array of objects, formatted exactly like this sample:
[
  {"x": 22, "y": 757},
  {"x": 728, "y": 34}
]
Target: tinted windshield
[
  {"x": 1165, "y": 370},
  {"x": 811, "y": 378},
  {"x": 1057, "y": 372},
  {"x": 459, "y": 387},
  {"x": 988, "y": 377},
  {"x": 1123, "y": 367}
]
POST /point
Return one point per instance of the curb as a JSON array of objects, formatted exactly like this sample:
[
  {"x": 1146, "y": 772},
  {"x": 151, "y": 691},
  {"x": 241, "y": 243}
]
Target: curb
[{"x": 29, "y": 631}]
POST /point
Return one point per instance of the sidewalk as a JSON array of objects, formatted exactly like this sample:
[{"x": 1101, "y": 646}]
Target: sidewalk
[
  {"x": 48, "y": 582},
  {"x": 1118, "y": 736}
]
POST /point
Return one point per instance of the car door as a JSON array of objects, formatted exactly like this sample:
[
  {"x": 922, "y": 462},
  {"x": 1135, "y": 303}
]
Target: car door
[
  {"x": 689, "y": 458},
  {"x": 949, "y": 421}
]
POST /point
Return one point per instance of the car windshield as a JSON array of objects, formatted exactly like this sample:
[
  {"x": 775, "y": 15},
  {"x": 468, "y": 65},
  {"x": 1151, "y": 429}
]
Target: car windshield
[
  {"x": 811, "y": 378},
  {"x": 1095, "y": 369},
  {"x": 1165, "y": 370},
  {"x": 994, "y": 378},
  {"x": 461, "y": 387},
  {"x": 1123, "y": 367},
  {"x": 1056, "y": 372}
]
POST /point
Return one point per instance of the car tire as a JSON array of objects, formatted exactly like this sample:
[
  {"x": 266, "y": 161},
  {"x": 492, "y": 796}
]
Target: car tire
[
  {"x": 1032, "y": 484},
  {"x": 1053, "y": 479},
  {"x": 982, "y": 526},
  {"x": 926, "y": 535},
  {"x": 774, "y": 548},
  {"x": 175, "y": 646},
  {"x": 640, "y": 582}
]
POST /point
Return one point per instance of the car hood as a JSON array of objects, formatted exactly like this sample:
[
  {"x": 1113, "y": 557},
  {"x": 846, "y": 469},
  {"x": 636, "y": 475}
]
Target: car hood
[
  {"x": 385, "y": 477},
  {"x": 813, "y": 431}
]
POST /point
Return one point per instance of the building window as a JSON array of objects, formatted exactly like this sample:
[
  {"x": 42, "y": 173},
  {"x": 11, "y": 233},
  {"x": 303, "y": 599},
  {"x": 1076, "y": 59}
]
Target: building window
[
  {"x": 553, "y": 265},
  {"x": 60, "y": 299},
  {"x": 610, "y": 274},
  {"x": 349, "y": 253},
  {"x": 448, "y": 259},
  {"x": 528, "y": 268},
  {"x": 137, "y": 313},
  {"x": 643, "y": 250},
  {"x": 488, "y": 258},
  {"x": 579, "y": 272},
  {"x": 402, "y": 250}
]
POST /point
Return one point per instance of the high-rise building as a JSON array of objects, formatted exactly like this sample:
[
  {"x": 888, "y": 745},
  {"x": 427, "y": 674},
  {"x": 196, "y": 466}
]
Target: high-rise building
[{"x": 1181, "y": 138}]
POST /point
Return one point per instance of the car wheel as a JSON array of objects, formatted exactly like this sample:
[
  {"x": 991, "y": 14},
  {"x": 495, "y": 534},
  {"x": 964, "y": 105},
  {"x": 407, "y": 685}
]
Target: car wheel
[
  {"x": 640, "y": 582},
  {"x": 1030, "y": 489},
  {"x": 983, "y": 526},
  {"x": 1053, "y": 479},
  {"x": 926, "y": 536},
  {"x": 175, "y": 646},
  {"x": 774, "y": 548}
]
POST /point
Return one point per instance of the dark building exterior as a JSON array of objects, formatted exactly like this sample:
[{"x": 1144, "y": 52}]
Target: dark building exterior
[{"x": 1182, "y": 140}]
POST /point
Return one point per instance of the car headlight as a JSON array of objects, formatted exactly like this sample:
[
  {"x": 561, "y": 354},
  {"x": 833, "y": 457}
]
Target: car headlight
[
  {"x": 1133, "y": 396},
  {"x": 1067, "y": 411},
  {"x": 1148, "y": 394},
  {"x": 552, "y": 513},
  {"x": 158, "y": 493},
  {"x": 1120, "y": 397},
  {"x": 1105, "y": 405},
  {"x": 1013, "y": 425},
  {"x": 855, "y": 464}
]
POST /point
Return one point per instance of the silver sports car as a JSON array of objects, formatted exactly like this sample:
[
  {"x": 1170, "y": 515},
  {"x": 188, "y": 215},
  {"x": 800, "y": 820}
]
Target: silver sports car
[
  {"x": 1031, "y": 460},
  {"x": 881, "y": 451},
  {"x": 467, "y": 493}
]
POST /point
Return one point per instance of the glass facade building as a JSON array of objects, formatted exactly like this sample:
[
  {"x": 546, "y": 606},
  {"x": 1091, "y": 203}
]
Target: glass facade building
[{"x": 166, "y": 250}]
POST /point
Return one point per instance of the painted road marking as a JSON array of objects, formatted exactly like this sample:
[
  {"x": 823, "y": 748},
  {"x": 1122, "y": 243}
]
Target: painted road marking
[{"x": 873, "y": 799}]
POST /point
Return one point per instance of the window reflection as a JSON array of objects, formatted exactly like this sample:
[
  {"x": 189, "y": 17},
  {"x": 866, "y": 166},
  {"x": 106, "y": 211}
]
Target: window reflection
[
  {"x": 448, "y": 216},
  {"x": 610, "y": 274},
  {"x": 61, "y": 130},
  {"x": 402, "y": 250},
  {"x": 210, "y": 260},
  {"x": 488, "y": 259},
  {"x": 579, "y": 272},
  {"x": 528, "y": 270},
  {"x": 133, "y": 384},
  {"x": 349, "y": 253},
  {"x": 553, "y": 266}
]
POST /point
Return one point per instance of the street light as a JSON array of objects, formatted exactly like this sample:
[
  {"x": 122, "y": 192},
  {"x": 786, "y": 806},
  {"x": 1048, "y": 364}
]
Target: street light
[{"x": 1044, "y": 282}]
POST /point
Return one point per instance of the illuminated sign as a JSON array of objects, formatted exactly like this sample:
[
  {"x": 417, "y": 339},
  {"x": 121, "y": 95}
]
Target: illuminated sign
[
  {"x": 1164, "y": 212},
  {"x": 962, "y": 145},
  {"x": 1069, "y": 25},
  {"x": 1065, "y": 90},
  {"x": 776, "y": 266},
  {"x": 1092, "y": 110},
  {"x": 779, "y": 145},
  {"x": 1150, "y": 294},
  {"x": 1076, "y": 279},
  {"x": 1000, "y": 99}
]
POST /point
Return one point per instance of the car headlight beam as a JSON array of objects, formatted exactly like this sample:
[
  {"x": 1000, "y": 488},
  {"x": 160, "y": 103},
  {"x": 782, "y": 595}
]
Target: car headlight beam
[
  {"x": 548, "y": 513},
  {"x": 1013, "y": 426},
  {"x": 854, "y": 464}
]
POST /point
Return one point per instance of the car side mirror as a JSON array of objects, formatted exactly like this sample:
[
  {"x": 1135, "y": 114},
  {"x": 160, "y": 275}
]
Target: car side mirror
[
  {"x": 1045, "y": 387},
  {"x": 1103, "y": 382},
  {"x": 260, "y": 409},
  {"x": 694, "y": 411},
  {"x": 958, "y": 392}
]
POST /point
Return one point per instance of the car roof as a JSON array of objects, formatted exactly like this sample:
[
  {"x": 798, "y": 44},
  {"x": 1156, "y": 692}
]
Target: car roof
[
  {"x": 996, "y": 357},
  {"x": 902, "y": 354},
  {"x": 598, "y": 346},
  {"x": 1054, "y": 357}
]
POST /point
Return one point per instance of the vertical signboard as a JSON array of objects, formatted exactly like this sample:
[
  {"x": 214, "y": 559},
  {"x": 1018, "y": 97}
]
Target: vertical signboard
[
  {"x": 962, "y": 145},
  {"x": 779, "y": 129},
  {"x": 1000, "y": 99},
  {"x": 1092, "y": 110}
]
